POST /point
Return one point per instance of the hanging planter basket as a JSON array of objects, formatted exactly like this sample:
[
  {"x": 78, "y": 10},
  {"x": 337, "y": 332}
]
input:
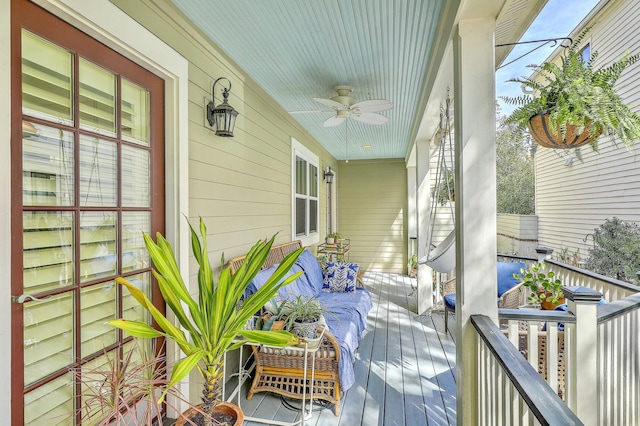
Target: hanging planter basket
[{"x": 540, "y": 130}]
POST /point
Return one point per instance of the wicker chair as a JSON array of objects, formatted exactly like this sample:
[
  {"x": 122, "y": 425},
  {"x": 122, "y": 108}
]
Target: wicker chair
[{"x": 509, "y": 290}]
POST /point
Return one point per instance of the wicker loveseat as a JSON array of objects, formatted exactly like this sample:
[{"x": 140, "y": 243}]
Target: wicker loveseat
[{"x": 281, "y": 372}]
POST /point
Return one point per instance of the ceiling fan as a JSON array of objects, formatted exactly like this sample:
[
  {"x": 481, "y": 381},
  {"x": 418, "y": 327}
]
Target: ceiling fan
[{"x": 346, "y": 106}]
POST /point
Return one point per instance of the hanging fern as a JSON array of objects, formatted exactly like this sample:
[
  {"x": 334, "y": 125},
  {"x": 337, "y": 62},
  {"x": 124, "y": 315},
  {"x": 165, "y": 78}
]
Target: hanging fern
[{"x": 574, "y": 93}]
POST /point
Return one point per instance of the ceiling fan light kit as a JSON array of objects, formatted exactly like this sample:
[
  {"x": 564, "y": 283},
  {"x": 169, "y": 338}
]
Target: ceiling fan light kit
[{"x": 346, "y": 106}]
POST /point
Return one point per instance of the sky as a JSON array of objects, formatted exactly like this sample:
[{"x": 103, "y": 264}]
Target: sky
[{"x": 557, "y": 19}]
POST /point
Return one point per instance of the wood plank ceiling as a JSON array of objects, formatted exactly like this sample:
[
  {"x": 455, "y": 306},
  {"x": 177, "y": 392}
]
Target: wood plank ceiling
[{"x": 297, "y": 50}]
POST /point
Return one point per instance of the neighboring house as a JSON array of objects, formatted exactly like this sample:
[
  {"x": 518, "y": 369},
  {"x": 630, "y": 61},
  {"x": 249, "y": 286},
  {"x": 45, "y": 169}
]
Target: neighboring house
[
  {"x": 104, "y": 135},
  {"x": 574, "y": 197}
]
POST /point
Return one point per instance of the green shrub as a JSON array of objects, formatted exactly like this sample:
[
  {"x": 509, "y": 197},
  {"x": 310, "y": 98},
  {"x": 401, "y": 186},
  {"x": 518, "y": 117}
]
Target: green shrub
[{"x": 616, "y": 250}]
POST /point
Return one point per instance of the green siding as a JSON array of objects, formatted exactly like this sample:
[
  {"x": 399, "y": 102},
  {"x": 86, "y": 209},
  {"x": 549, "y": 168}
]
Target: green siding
[{"x": 372, "y": 212}]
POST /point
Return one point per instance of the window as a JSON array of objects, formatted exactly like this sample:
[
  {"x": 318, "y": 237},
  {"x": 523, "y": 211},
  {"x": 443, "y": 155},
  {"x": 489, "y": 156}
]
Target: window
[
  {"x": 586, "y": 53},
  {"x": 305, "y": 204}
]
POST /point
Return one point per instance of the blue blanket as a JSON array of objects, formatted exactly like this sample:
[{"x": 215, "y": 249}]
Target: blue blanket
[
  {"x": 347, "y": 320},
  {"x": 346, "y": 312}
]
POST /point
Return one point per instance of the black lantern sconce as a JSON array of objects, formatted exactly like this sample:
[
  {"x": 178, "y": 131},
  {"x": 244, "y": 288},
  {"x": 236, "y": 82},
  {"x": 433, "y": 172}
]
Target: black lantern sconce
[
  {"x": 223, "y": 116},
  {"x": 328, "y": 175}
]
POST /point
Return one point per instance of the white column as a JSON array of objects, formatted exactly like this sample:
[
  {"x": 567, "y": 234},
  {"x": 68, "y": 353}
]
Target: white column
[
  {"x": 412, "y": 215},
  {"x": 475, "y": 180},
  {"x": 423, "y": 193},
  {"x": 582, "y": 385}
]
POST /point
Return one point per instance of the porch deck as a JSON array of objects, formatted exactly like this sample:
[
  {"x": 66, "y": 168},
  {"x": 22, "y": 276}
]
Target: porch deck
[{"x": 404, "y": 368}]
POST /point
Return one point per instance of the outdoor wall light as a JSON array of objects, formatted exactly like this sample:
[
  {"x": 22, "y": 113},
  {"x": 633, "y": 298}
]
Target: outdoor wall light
[
  {"x": 223, "y": 116},
  {"x": 328, "y": 175}
]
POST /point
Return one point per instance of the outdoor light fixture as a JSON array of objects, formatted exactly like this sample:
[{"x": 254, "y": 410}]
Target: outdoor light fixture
[
  {"x": 223, "y": 116},
  {"x": 328, "y": 175}
]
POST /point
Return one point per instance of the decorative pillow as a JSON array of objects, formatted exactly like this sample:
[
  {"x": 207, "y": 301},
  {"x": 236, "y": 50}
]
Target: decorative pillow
[{"x": 340, "y": 277}]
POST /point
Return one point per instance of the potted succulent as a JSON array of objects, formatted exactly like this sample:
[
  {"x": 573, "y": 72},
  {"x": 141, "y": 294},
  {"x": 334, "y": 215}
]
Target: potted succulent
[
  {"x": 214, "y": 319},
  {"x": 333, "y": 237},
  {"x": 545, "y": 289},
  {"x": 302, "y": 316},
  {"x": 573, "y": 102}
]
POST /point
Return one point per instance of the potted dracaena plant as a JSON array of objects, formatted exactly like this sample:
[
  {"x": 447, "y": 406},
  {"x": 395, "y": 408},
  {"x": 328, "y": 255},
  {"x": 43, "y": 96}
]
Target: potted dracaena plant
[
  {"x": 572, "y": 102},
  {"x": 214, "y": 320}
]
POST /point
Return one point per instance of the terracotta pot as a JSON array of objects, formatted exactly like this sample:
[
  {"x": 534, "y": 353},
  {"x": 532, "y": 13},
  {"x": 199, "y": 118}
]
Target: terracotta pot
[
  {"x": 277, "y": 325},
  {"x": 549, "y": 306},
  {"x": 225, "y": 407},
  {"x": 540, "y": 130}
]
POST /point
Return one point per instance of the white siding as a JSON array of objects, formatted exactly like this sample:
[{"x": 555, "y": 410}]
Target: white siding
[
  {"x": 517, "y": 234},
  {"x": 572, "y": 201}
]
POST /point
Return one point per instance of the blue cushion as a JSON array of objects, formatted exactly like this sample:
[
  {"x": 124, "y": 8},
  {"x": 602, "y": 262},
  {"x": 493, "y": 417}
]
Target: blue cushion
[
  {"x": 259, "y": 280},
  {"x": 506, "y": 281},
  {"x": 450, "y": 301},
  {"x": 300, "y": 287},
  {"x": 340, "y": 277},
  {"x": 308, "y": 262}
]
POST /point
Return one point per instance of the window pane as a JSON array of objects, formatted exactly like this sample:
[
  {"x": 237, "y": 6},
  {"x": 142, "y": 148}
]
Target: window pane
[
  {"x": 97, "y": 98},
  {"x": 301, "y": 176},
  {"x": 97, "y": 306},
  {"x": 313, "y": 180},
  {"x": 134, "y": 252},
  {"x": 98, "y": 248},
  {"x": 135, "y": 113},
  {"x": 48, "y": 340},
  {"x": 301, "y": 216},
  {"x": 131, "y": 309},
  {"x": 313, "y": 216},
  {"x": 46, "y": 80},
  {"x": 135, "y": 177},
  {"x": 98, "y": 172},
  {"x": 47, "y": 166},
  {"x": 50, "y": 404},
  {"x": 47, "y": 250}
]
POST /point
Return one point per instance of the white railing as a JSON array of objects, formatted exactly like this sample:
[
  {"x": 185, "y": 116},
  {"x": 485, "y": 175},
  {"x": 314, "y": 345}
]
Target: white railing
[
  {"x": 510, "y": 391},
  {"x": 596, "y": 374},
  {"x": 619, "y": 362}
]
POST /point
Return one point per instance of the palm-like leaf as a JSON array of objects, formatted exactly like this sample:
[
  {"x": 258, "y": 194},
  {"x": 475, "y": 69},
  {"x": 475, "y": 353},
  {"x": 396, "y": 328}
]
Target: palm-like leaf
[{"x": 217, "y": 318}]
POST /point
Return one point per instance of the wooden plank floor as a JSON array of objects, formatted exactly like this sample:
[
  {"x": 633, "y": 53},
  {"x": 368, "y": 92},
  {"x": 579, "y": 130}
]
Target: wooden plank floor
[{"x": 404, "y": 368}]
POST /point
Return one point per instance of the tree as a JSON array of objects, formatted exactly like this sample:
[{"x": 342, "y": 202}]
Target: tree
[
  {"x": 515, "y": 175},
  {"x": 616, "y": 250}
]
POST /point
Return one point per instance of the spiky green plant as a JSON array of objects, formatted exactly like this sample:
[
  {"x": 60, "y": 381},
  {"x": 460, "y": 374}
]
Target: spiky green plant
[
  {"x": 575, "y": 93},
  {"x": 216, "y": 318}
]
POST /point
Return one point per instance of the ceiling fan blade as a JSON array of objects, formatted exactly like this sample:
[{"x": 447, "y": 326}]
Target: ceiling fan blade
[
  {"x": 330, "y": 102},
  {"x": 334, "y": 121},
  {"x": 371, "y": 118},
  {"x": 373, "y": 105}
]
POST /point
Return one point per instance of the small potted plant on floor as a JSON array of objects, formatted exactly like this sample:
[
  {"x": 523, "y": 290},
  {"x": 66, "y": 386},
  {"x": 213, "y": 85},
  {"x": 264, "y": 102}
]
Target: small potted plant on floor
[
  {"x": 573, "y": 102},
  {"x": 413, "y": 265},
  {"x": 545, "y": 289},
  {"x": 119, "y": 389},
  {"x": 214, "y": 319}
]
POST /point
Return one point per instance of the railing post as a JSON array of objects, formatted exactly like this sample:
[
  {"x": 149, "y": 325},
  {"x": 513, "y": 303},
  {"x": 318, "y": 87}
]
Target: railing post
[
  {"x": 582, "y": 353},
  {"x": 544, "y": 253}
]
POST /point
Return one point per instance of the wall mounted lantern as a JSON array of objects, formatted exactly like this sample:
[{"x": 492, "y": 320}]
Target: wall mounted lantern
[
  {"x": 223, "y": 116},
  {"x": 328, "y": 175}
]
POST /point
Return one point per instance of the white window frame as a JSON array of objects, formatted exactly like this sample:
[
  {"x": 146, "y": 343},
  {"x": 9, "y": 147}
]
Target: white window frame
[{"x": 299, "y": 150}]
